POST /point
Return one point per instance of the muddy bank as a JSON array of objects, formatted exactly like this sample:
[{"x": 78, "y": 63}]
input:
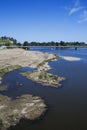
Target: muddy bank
[{"x": 25, "y": 106}]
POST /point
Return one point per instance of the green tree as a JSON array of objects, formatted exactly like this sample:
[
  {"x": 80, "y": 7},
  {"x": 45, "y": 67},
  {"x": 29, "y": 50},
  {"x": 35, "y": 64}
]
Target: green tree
[
  {"x": 25, "y": 44},
  {"x": 8, "y": 43},
  {"x": 1, "y": 123}
]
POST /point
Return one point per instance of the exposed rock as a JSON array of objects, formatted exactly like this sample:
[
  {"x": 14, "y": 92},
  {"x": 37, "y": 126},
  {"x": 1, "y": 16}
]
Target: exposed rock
[
  {"x": 30, "y": 58},
  {"x": 44, "y": 78},
  {"x": 11, "y": 59},
  {"x": 26, "y": 106},
  {"x": 3, "y": 88}
]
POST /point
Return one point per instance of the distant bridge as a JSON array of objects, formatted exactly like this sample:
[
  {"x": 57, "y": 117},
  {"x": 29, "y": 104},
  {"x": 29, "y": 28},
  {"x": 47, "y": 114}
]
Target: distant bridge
[
  {"x": 60, "y": 46},
  {"x": 52, "y": 47},
  {"x": 48, "y": 46}
]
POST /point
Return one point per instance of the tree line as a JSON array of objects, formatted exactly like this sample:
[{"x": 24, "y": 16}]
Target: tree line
[
  {"x": 8, "y": 41},
  {"x": 52, "y": 43}
]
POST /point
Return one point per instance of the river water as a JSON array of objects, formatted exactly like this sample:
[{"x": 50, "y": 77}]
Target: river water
[{"x": 67, "y": 105}]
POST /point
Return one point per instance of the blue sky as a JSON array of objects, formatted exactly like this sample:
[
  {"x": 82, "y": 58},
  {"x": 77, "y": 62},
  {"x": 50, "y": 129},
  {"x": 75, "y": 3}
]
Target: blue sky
[{"x": 44, "y": 20}]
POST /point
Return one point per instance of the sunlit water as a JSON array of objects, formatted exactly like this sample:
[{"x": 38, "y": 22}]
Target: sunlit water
[{"x": 68, "y": 104}]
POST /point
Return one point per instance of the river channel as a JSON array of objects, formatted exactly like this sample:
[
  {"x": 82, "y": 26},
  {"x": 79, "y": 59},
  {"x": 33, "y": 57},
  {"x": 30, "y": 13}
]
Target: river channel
[{"x": 67, "y": 105}]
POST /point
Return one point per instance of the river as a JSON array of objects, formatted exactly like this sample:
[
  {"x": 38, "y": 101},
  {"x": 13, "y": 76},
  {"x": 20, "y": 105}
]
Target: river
[{"x": 67, "y": 105}]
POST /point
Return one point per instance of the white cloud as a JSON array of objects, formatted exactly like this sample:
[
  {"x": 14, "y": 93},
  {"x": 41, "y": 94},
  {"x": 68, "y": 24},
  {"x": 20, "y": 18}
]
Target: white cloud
[
  {"x": 74, "y": 10},
  {"x": 83, "y": 17},
  {"x": 77, "y": 7}
]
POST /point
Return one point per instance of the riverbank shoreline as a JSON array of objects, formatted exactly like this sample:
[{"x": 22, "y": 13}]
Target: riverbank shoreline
[{"x": 12, "y": 59}]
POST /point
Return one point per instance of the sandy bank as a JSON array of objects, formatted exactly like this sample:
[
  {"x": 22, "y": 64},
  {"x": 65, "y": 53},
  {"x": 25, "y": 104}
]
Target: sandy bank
[
  {"x": 21, "y": 57},
  {"x": 69, "y": 58},
  {"x": 11, "y": 59}
]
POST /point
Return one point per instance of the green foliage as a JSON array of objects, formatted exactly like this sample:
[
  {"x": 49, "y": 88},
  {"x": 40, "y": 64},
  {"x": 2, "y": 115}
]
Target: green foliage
[
  {"x": 54, "y": 77},
  {"x": 1, "y": 122},
  {"x": 11, "y": 118},
  {"x": 41, "y": 64},
  {"x": 1, "y": 73},
  {"x": 61, "y": 43},
  {"x": 6, "y": 40},
  {"x": 40, "y": 77},
  {"x": 8, "y": 43},
  {"x": 25, "y": 44}
]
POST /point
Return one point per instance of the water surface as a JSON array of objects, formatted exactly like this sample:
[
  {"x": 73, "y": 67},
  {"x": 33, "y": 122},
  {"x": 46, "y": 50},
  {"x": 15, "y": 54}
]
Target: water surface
[{"x": 68, "y": 104}]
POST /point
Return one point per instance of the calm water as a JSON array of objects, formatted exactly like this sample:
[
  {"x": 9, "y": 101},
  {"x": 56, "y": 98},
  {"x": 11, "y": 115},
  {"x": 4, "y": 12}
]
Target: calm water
[{"x": 68, "y": 104}]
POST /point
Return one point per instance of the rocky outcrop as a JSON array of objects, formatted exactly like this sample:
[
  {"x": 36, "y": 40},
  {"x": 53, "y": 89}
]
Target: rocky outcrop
[
  {"x": 25, "y": 106},
  {"x": 44, "y": 78}
]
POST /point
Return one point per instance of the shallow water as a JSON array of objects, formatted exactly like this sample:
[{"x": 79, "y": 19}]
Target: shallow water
[{"x": 68, "y": 104}]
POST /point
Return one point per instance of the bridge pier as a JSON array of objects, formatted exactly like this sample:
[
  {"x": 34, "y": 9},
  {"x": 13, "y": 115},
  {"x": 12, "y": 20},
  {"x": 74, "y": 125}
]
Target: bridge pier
[{"x": 75, "y": 48}]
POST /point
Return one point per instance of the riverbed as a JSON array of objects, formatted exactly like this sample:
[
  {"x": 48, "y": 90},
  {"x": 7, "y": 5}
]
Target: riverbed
[{"x": 67, "y": 105}]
